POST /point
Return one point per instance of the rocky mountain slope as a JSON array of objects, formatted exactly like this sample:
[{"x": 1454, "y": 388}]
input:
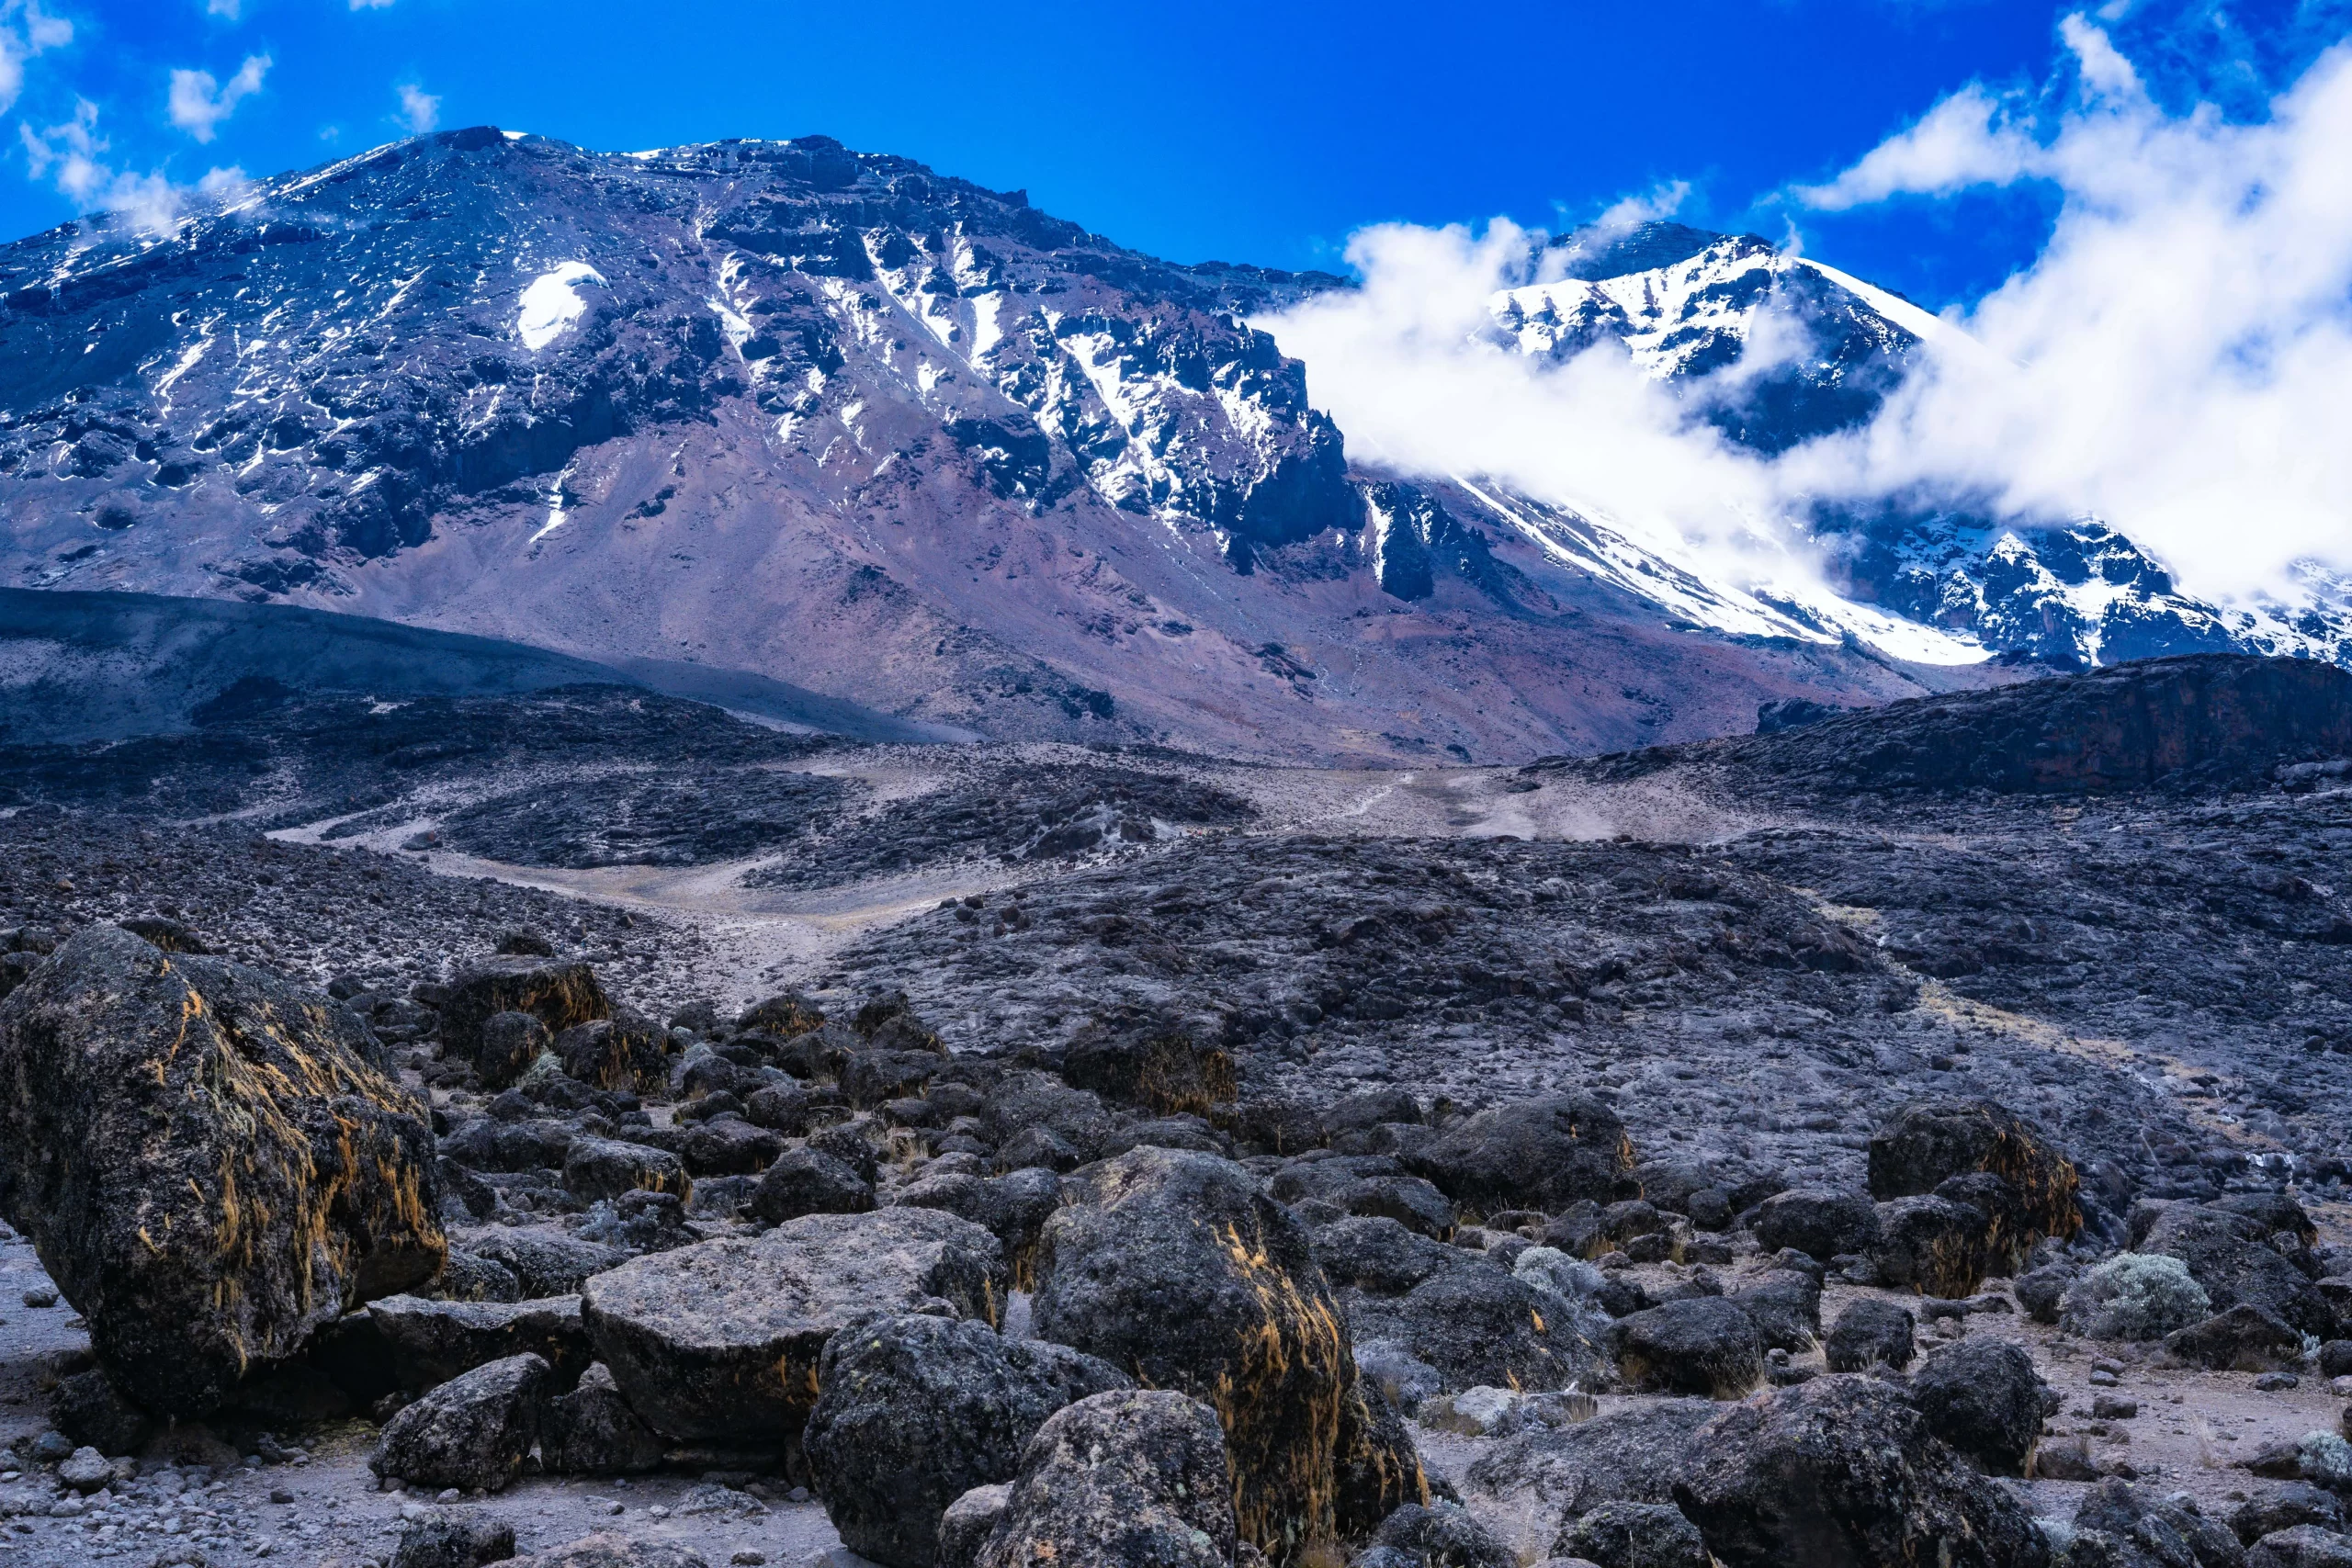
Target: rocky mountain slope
[{"x": 826, "y": 417}]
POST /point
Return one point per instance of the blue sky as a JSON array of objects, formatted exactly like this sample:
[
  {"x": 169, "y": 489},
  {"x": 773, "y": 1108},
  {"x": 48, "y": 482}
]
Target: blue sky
[{"x": 1257, "y": 132}]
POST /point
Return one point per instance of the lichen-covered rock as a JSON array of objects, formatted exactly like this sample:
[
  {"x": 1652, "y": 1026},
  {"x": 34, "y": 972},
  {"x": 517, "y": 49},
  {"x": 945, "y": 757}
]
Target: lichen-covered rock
[
  {"x": 473, "y": 1431},
  {"x": 2121, "y": 1526},
  {"x": 625, "y": 1051},
  {"x": 1870, "y": 1334},
  {"x": 596, "y": 1168},
  {"x": 1439, "y": 1535},
  {"x": 1842, "y": 1473},
  {"x": 593, "y": 1431},
  {"x": 2246, "y": 1339},
  {"x": 1549, "y": 1476},
  {"x": 1175, "y": 1268},
  {"x": 2305, "y": 1546},
  {"x": 720, "y": 1341},
  {"x": 1476, "y": 1323},
  {"x": 1931, "y": 1244},
  {"x": 88, "y": 1408},
  {"x": 915, "y": 1411},
  {"x": 507, "y": 1045},
  {"x": 1541, "y": 1154},
  {"x": 1154, "y": 1063},
  {"x": 453, "y": 1540},
  {"x": 1983, "y": 1397},
  {"x": 1701, "y": 1345},
  {"x": 605, "y": 1549},
  {"x": 558, "y": 993},
  {"x": 964, "y": 1528},
  {"x": 1134, "y": 1479},
  {"x": 1377, "y": 1468},
  {"x": 209, "y": 1165},
  {"x": 428, "y": 1342},
  {"x": 1634, "y": 1534},
  {"x": 1013, "y": 1208},
  {"x": 2230, "y": 1256},
  {"x": 1821, "y": 1225},
  {"x": 1785, "y": 1306},
  {"x": 1929, "y": 1142},
  {"x": 810, "y": 1181}
]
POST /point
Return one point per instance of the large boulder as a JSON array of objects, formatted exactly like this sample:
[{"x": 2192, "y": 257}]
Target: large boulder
[
  {"x": 1634, "y": 1534},
  {"x": 1842, "y": 1473},
  {"x": 1821, "y": 1225},
  {"x": 915, "y": 1411},
  {"x": 598, "y": 1169},
  {"x": 558, "y": 993},
  {"x": 453, "y": 1540},
  {"x": 1546, "y": 1477},
  {"x": 1173, "y": 1266},
  {"x": 1931, "y": 1244},
  {"x": 810, "y": 1181},
  {"x": 1927, "y": 1141},
  {"x": 1983, "y": 1397},
  {"x": 1151, "y": 1063},
  {"x": 1785, "y": 1306},
  {"x": 2246, "y": 1339},
  {"x": 506, "y": 1045},
  {"x": 208, "y": 1163},
  {"x": 593, "y": 1431},
  {"x": 720, "y": 1341},
  {"x": 2305, "y": 1546},
  {"x": 2118, "y": 1526},
  {"x": 472, "y": 1432},
  {"x": 2231, "y": 1257},
  {"x": 1132, "y": 1479},
  {"x": 1703, "y": 1345},
  {"x": 1013, "y": 1208},
  {"x": 1540, "y": 1154},
  {"x": 429, "y": 1342},
  {"x": 625, "y": 1051}
]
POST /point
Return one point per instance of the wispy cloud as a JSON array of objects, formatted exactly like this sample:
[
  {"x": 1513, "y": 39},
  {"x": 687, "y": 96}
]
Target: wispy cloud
[
  {"x": 420, "y": 110},
  {"x": 227, "y": 10},
  {"x": 198, "y": 103},
  {"x": 26, "y": 30},
  {"x": 72, "y": 156}
]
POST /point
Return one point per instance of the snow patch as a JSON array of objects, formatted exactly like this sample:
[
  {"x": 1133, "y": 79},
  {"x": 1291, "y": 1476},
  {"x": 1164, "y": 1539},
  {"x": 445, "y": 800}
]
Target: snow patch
[{"x": 553, "y": 302}]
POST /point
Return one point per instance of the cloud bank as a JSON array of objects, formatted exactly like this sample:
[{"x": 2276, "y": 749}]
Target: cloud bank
[
  {"x": 198, "y": 103},
  {"x": 2177, "y": 359}
]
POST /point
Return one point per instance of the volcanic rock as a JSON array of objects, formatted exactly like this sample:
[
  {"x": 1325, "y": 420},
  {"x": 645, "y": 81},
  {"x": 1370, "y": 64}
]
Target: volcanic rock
[
  {"x": 473, "y": 1431},
  {"x": 1132, "y": 1479},
  {"x": 1705, "y": 1345},
  {"x": 208, "y": 1164},
  {"x": 1841, "y": 1471},
  {"x": 917, "y": 1410},
  {"x": 1543, "y": 1153},
  {"x": 720, "y": 1341},
  {"x": 558, "y": 993},
  {"x": 1174, "y": 1268},
  {"x": 1983, "y": 1397},
  {"x": 1870, "y": 1333}
]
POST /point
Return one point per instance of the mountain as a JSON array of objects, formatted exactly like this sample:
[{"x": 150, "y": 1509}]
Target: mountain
[{"x": 838, "y": 421}]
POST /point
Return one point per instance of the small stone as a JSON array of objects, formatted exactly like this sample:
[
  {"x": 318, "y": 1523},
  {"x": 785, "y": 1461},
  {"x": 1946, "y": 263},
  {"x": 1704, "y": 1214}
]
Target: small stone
[
  {"x": 747, "y": 1558},
  {"x": 2103, "y": 1380},
  {"x": 280, "y": 1495},
  {"x": 448, "y": 1495},
  {"x": 2341, "y": 1387},
  {"x": 2114, "y": 1407},
  {"x": 2273, "y": 1383},
  {"x": 85, "y": 1469},
  {"x": 42, "y": 1296}
]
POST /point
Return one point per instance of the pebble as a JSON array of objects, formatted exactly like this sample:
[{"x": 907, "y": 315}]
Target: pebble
[
  {"x": 747, "y": 1558},
  {"x": 2340, "y": 1387},
  {"x": 2111, "y": 1407},
  {"x": 280, "y": 1495},
  {"x": 447, "y": 1494},
  {"x": 2103, "y": 1380},
  {"x": 2273, "y": 1383},
  {"x": 41, "y": 1296}
]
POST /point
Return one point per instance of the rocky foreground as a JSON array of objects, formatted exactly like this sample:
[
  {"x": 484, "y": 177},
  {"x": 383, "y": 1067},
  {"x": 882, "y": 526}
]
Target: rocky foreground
[{"x": 1939, "y": 1176}]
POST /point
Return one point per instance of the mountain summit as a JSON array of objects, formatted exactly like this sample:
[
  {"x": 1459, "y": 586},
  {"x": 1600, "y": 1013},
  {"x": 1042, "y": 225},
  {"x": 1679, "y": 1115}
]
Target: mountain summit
[{"x": 840, "y": 420}]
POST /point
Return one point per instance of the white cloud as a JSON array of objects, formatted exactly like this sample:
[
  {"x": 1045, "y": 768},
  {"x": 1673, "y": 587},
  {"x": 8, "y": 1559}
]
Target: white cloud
[
  {"x": 1661, "y": 201},
  {"x": 420, "y": 110},
  {"x": 26, "y": 30},
  {"x": 369, "y": 5},
  {"x": 1961, "y": 142},
  {"x": 1408, "y": 366},
  {"x": 227, "y": 10},
  {"x": 200, "y": 104},
  {"x": 71, "y": 156},
  {"x": 2175, "y": 361}
]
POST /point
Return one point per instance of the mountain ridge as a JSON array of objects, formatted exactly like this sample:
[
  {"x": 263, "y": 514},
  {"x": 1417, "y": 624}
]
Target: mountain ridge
[{"x": 837, "y": 420}]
